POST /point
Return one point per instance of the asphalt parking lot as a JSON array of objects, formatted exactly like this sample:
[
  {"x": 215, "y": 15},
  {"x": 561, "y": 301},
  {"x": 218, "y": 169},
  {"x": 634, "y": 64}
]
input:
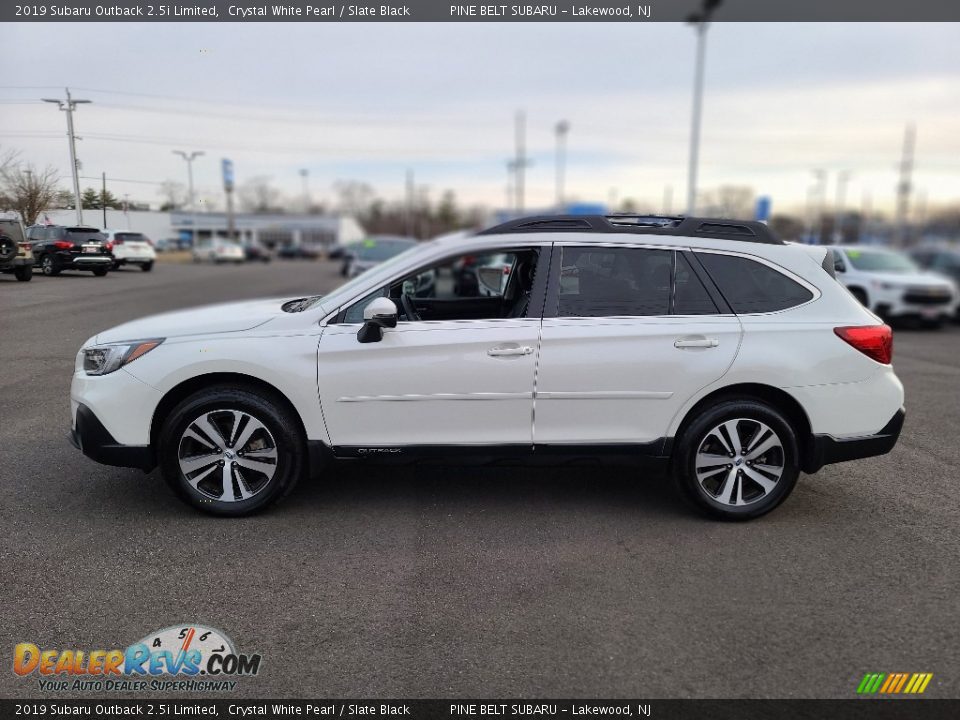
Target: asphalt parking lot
[{"x": 472, "y": 581}]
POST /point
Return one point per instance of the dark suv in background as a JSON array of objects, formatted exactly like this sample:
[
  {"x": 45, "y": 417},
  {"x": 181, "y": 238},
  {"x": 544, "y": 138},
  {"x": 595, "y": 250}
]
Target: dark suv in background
[
  {"x": 60, "y": 247},
  {"x": 15, "y": 254}
]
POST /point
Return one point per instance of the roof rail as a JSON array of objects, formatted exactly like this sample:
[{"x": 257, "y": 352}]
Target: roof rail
[{"x": 676, "y": 225}]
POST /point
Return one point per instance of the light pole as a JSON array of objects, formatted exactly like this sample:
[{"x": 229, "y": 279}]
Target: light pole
[
  {"x": 562, "y": 128},
  {"x": 68, "y": 106},
  {"x": 820, "y": 197},
  {"x": 190, "y": 157},
  {"x": 700, "y": 21}
]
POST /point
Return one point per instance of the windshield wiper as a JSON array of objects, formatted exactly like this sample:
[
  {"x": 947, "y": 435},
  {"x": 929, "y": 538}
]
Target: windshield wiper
[{"x": 300, "y": 304}]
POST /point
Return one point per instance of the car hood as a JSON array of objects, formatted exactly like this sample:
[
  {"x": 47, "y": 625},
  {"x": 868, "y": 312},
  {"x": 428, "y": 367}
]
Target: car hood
[{"x": 211, "y": 319}]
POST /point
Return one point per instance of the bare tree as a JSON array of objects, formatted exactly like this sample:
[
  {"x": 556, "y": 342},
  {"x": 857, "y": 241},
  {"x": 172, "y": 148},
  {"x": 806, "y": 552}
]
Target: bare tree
[
  {"x": 257, "y": 195},
  {"x": 353, "y": 197},
  {"x": 174, "y": 195},
  {"x": 729, "y": 201},
  {"x": 27, "y": 190}
]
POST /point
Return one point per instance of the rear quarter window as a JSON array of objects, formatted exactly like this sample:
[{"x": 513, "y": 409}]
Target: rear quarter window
[{"x": 752, "y": 287}]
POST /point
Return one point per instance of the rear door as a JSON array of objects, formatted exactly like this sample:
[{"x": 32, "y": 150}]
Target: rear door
[{"x": 629, "y": 335}]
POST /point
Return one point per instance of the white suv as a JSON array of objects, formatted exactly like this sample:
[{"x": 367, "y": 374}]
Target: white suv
[
  {"x": 131, "y": 248},
  {"x": 894, "y": 286},
  {"x": 708, "y": 347}
]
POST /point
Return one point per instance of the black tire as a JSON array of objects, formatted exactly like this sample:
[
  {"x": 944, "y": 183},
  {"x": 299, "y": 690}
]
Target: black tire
[
  {"x": 750, "y": 410},
  {"x": 860, "y": 295},
  {"x": 48, "y": 266},
  {"x": 24, "y": 273},
  {"x": 147, "y": 266},
  {"x": 269, "y": 410},
  {"x": 101, "y": 272}
]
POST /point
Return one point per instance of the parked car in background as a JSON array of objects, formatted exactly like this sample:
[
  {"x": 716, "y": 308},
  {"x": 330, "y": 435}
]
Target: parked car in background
[
  {"x": 62, "y": 247},
  {"x": 16, "y": 255},
  {"x": 257, "y": 251},
  {"x": 941, "y": 260},
  {"x": 218, "y": 250},
  {"x": 890, "y": 284},
  {"x": 131, "y": 248},
  {"x": 295, "y": 251},
  {"x": 361, "y": 256}
]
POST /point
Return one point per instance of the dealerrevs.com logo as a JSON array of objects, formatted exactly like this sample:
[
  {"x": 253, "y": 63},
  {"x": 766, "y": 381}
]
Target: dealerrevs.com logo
[{"x": 181, "y": 658}]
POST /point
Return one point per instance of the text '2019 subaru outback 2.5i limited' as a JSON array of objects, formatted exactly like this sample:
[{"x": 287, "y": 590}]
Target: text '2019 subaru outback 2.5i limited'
[{"x": 711, "y": 347}]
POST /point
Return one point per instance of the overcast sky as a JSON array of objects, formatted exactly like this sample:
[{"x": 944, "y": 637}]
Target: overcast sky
[{"x": 368, "y": 101}]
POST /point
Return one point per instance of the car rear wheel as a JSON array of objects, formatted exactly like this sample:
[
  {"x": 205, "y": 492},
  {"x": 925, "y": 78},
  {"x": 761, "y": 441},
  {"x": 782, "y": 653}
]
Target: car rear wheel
[
  {"x": 738, "y": 460},
  {"x": 48, "y": 267},
  {"x": 23, "y": 273},
  {"x": 231, "y": 450},
  {"x": 100, "y": 272},
  {"x": 147, "y": 266}
]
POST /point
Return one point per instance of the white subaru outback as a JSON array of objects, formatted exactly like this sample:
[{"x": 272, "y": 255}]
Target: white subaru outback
[{"x": 709, "y": 347}]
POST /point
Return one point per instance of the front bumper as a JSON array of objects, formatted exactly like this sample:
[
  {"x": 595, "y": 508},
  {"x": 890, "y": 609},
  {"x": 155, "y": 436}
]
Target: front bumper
[
  {"x": 826, "y": 449},
  {"x": 95, "y": 441}
]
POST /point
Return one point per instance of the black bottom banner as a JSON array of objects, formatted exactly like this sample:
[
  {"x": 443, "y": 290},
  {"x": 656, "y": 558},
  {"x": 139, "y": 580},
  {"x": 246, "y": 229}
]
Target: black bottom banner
[{"x": 872, "y": 709}]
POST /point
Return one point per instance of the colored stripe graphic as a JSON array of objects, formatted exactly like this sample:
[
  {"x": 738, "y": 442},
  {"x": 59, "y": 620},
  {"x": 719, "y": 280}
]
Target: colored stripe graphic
[{"x": 894, "y": 683}]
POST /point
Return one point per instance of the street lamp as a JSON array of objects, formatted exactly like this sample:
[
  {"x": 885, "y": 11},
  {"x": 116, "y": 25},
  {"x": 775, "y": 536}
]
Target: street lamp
[
  {"x": 190, "y": 157},
  {"x": 562, "y": 128},
  {"x": 700, "y": 21}
]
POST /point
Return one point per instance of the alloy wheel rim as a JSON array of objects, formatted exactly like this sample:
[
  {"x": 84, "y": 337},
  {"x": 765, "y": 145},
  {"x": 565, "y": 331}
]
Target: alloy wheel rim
[
  {"x": 227, "y": 455},
  {"x": 47, "y": 266},
  {"x": 739, "y": 462}
]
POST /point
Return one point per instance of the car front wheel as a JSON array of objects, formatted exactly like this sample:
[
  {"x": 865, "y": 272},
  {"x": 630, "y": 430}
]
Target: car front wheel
[
  {"x": 231, "y": 450},
  {"x": 738, "y": 460}
]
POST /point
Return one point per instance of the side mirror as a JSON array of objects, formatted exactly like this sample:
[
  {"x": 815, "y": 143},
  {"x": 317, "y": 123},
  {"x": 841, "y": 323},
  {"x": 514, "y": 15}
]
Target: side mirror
[{"x": 379, "y": 314}]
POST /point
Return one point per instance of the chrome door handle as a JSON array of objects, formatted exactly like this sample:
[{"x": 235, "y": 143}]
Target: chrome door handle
[
  {"x": 509, "y": 351},
  {"x": 701, "y": 342}
]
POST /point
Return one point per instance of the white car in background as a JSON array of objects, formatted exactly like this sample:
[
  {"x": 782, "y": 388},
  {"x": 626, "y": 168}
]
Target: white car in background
[
  {"x": 893, "y": 286},
  {"x": 131, "y": 248},
  {"x": 708, "y": 348},
  {"x": 218, "y": 250}
]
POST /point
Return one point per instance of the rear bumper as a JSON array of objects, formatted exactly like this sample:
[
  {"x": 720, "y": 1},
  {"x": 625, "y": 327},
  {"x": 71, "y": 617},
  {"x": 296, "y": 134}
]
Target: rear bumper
[
  {"x": 95, "y": 441},
  {"x": 826, "y": 450}
]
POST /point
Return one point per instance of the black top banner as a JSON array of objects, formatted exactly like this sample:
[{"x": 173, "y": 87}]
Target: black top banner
[{"x": 447, "y": 11}]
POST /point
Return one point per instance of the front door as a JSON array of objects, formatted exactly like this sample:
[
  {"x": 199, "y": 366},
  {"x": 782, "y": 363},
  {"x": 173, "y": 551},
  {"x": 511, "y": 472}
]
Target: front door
[{"x": 464, "y": 377}]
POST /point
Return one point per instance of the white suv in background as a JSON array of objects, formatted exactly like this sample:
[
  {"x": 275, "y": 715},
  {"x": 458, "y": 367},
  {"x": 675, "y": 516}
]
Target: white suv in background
[
  {"x": 131, "y": 248},
  {"x": 894, "y": 286},
  {"x": 706, "y": 347}
]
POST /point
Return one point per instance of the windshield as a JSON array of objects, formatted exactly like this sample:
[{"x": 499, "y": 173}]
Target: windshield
[
  {"x": 379, "y": 250},
  {"x": 381, "y": 273},
  {"x": 85, "y": 235},
  {"x": 131, "y": 237},
  {"x": 880, "y": 261}
]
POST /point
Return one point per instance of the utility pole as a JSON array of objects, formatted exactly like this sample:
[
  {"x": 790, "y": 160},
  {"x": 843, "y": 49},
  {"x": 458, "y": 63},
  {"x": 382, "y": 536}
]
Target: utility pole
[
  {"x": 843, "y": 177},
  {"x": 904, "y": 186},
  {"x": 701, "y": 22},
  {"x": 190, "y": 157},
  {"x": 304, "y": 173},
  {"x": 562, "y": 128},
  {"x": 521, "y": 162},
  {"x": 68, "y": 106}
]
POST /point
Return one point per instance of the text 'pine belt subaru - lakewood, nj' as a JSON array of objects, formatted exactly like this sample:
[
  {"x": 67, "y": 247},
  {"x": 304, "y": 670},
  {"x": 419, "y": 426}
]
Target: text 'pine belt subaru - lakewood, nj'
[{"x": 709, "y": 347}]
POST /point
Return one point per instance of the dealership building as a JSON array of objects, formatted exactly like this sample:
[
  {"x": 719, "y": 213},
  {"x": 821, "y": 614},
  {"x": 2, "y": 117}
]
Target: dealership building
[{"x": 274, "y": 230}]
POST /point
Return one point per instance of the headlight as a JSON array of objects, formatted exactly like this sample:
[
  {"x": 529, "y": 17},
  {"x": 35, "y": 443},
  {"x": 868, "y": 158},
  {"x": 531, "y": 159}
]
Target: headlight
[
  {"x": 104, "y": 359},
  {"x": 887, "y": 285}
]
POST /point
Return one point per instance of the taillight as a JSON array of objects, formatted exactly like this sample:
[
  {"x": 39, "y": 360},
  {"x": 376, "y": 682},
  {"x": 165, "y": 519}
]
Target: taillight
[
  {"x": 110, "y": 245},
  {"x": 874, "y": 341},
  {"x": 26, "y": 247},
  {"x": 63, "y": 245}
]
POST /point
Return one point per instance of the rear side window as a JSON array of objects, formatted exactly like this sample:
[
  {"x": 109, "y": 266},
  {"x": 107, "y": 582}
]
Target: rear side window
[
  {"x": 752, "y": 287},
  {"x": 607, "y": 282},
  {"x": 690, "y": 296}
]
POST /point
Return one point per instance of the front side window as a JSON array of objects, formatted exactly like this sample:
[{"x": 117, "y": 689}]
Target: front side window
[
  {"x": 470, "y": 286},
  {"x": 752, "y": 287}
]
